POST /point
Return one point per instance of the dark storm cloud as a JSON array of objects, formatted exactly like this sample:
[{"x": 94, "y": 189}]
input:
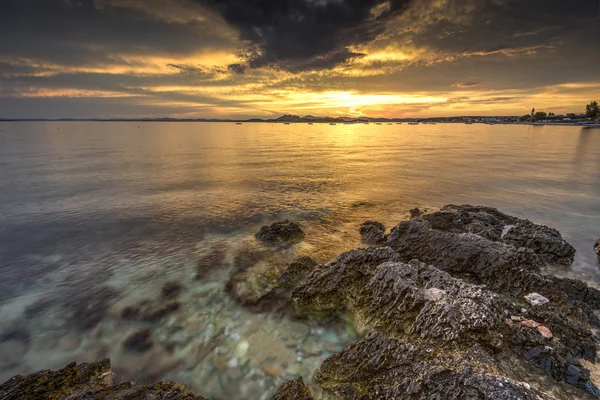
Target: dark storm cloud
[
  {"x": 306, "y": 34},
  {"x": 83, "y": 32}
]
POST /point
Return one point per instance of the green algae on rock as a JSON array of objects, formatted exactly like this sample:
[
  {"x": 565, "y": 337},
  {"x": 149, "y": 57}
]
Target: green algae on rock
[
  {"x": 91, "y": 381},
  {"x": 293, "y": 390}
]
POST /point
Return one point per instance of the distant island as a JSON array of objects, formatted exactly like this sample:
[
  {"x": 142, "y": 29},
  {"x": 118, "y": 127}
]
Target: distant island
[
  {"x": 591, "y": 115},
  {"x": 565, "y": 119}
]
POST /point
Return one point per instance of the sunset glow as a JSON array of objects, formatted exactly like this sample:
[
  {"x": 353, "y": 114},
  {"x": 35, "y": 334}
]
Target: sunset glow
[{"x": 200, "y": 59}]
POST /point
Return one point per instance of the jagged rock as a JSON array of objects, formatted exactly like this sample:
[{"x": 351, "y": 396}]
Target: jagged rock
[
  {"x": 295, "y": 271},
  {"x": 493, "y": 263},
  {"x": 325, "y": 288},
  {"x": 398, "y": 298},
  {"x": 546, "y": 242},
  {"x": 536, "y": 299},
  {"x": 491, "y": 224},
  {"x": 416, "y": 213},
  {"x": 171, "y": 290},
  {"x": 293, "y": 390},
  {"x": 373, "y": 233},
  {"x": 502, "y": 267},
  {"x": 139, "y": 341},
  {"x": 86, "y": 382},
  {"x": 383, "y": 368},
  {"x": 149, "y": 312},
  {"x": 285, "y": 231},
  {"x": 597, "y": 247},
  {"x": 483, "y": 221}
]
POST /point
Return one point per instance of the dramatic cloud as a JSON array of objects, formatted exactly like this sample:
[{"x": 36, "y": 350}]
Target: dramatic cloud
[{"x": 244, "y": 58}]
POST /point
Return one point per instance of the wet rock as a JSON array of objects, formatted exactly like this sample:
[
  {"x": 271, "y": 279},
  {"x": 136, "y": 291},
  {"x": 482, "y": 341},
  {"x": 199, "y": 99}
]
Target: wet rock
[
  {"x": 483, "y": 221},
  {"x": 597, "y": 247},
  {"x": 326, "y": 288},
  {"x": 490, "y": 223},
  {"x": 293, "y": 390},
  {"x": 139, "y": 342},
  {"x": 417, "y": 299},
  {"x": 383, "y": 368},
  {"x": 171, "y": 290},
  {"x": 416, "y": 213},
  {"x": 546, "y": 242},
  {"x": 285, "y": 231},
  {"x": 86, "y": 382},
  {"x": 536, "y": 299},
  {"x": 504, "y": 268},
  {"x": 372, "y": 232},
  {"x": 295, "y": 271},
  {"x": 149, "y": 312}
]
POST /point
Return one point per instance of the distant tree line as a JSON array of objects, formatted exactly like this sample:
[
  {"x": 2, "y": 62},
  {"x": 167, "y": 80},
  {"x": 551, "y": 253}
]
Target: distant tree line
[{"x": 592, "y": 110}]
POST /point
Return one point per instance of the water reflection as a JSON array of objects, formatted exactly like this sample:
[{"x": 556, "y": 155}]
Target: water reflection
[{"x": 98, "y": 216}]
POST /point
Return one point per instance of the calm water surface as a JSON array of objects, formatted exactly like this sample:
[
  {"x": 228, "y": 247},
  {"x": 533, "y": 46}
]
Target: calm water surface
[{"x": 95, "y": 217}]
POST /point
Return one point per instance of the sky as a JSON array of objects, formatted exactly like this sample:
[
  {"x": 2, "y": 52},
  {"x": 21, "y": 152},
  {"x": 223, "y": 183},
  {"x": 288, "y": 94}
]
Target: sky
[{"x": 266, "y": 58}]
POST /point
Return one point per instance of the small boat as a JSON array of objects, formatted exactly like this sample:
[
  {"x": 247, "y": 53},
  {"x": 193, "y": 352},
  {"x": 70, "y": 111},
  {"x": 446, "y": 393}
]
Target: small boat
[
  {"x": 238, "y": 123},
  {"x": 390, "y": 123},
  {"x": 398, "y": 123},
  {"x": 332, "y": 123},
  {"x": 413, "y": 123},
  {"x": 468, "y": 123},
  {"x": 310, "y": 123},
  {"x": 377, "y": 123},
  {"x": 286, "y": 123}
]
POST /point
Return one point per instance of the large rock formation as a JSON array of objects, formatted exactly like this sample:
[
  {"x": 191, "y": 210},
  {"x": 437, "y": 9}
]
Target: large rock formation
[
  {"x": 86, "y": 382},
  {"x": 380, "y": 367},
  {"x": 494, "y": 225}
]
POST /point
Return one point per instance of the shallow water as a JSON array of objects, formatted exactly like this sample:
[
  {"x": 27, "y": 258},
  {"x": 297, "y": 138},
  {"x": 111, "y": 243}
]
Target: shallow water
[{"x": 95, "y": 217}]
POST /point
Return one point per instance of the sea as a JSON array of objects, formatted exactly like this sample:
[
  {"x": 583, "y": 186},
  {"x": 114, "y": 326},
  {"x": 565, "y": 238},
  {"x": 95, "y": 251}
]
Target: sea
[{"x": 96, "y": 217}]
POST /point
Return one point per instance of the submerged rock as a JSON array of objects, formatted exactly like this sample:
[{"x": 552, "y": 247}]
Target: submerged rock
[
  {"x": 149, "y": 312},
  {"x": 285, "y": 231},
  {"x": 380, "y": 367},
  {"x": 139, "y": 341},
  {"x": 373, "y": 233},
  {"x": 86, "y": 382},
  {"x": 171, "y": 290},
  {"x": 293, "y": 390}
]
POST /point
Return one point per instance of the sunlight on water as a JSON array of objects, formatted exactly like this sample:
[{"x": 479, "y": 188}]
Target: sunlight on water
[{"x": 97, "y": 217}]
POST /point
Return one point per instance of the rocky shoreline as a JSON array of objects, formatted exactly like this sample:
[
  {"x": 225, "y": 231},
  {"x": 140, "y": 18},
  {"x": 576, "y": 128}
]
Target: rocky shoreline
[{"x": 453, "y": 304}]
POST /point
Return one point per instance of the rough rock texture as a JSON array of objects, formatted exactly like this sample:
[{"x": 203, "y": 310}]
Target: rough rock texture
[
  {"x": 285, "y": 231},
  {"x": 597, "y": 247},
  {"x": 86, "y": 382},
  {"x": 546, "y": 242},
  {"x": 326, "y": 288},
  {"x": 492, "y": 224},
  {"x": 503, "y": 268},
  {"x": 483, "y": 221},
  {"x": 379, "y": 367},
  {"x": 171, "y": 290},
  {"x": 372, "y": 232},
  {"x": 419, "y": 299},
  {"x": 293, "y": 390}
]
